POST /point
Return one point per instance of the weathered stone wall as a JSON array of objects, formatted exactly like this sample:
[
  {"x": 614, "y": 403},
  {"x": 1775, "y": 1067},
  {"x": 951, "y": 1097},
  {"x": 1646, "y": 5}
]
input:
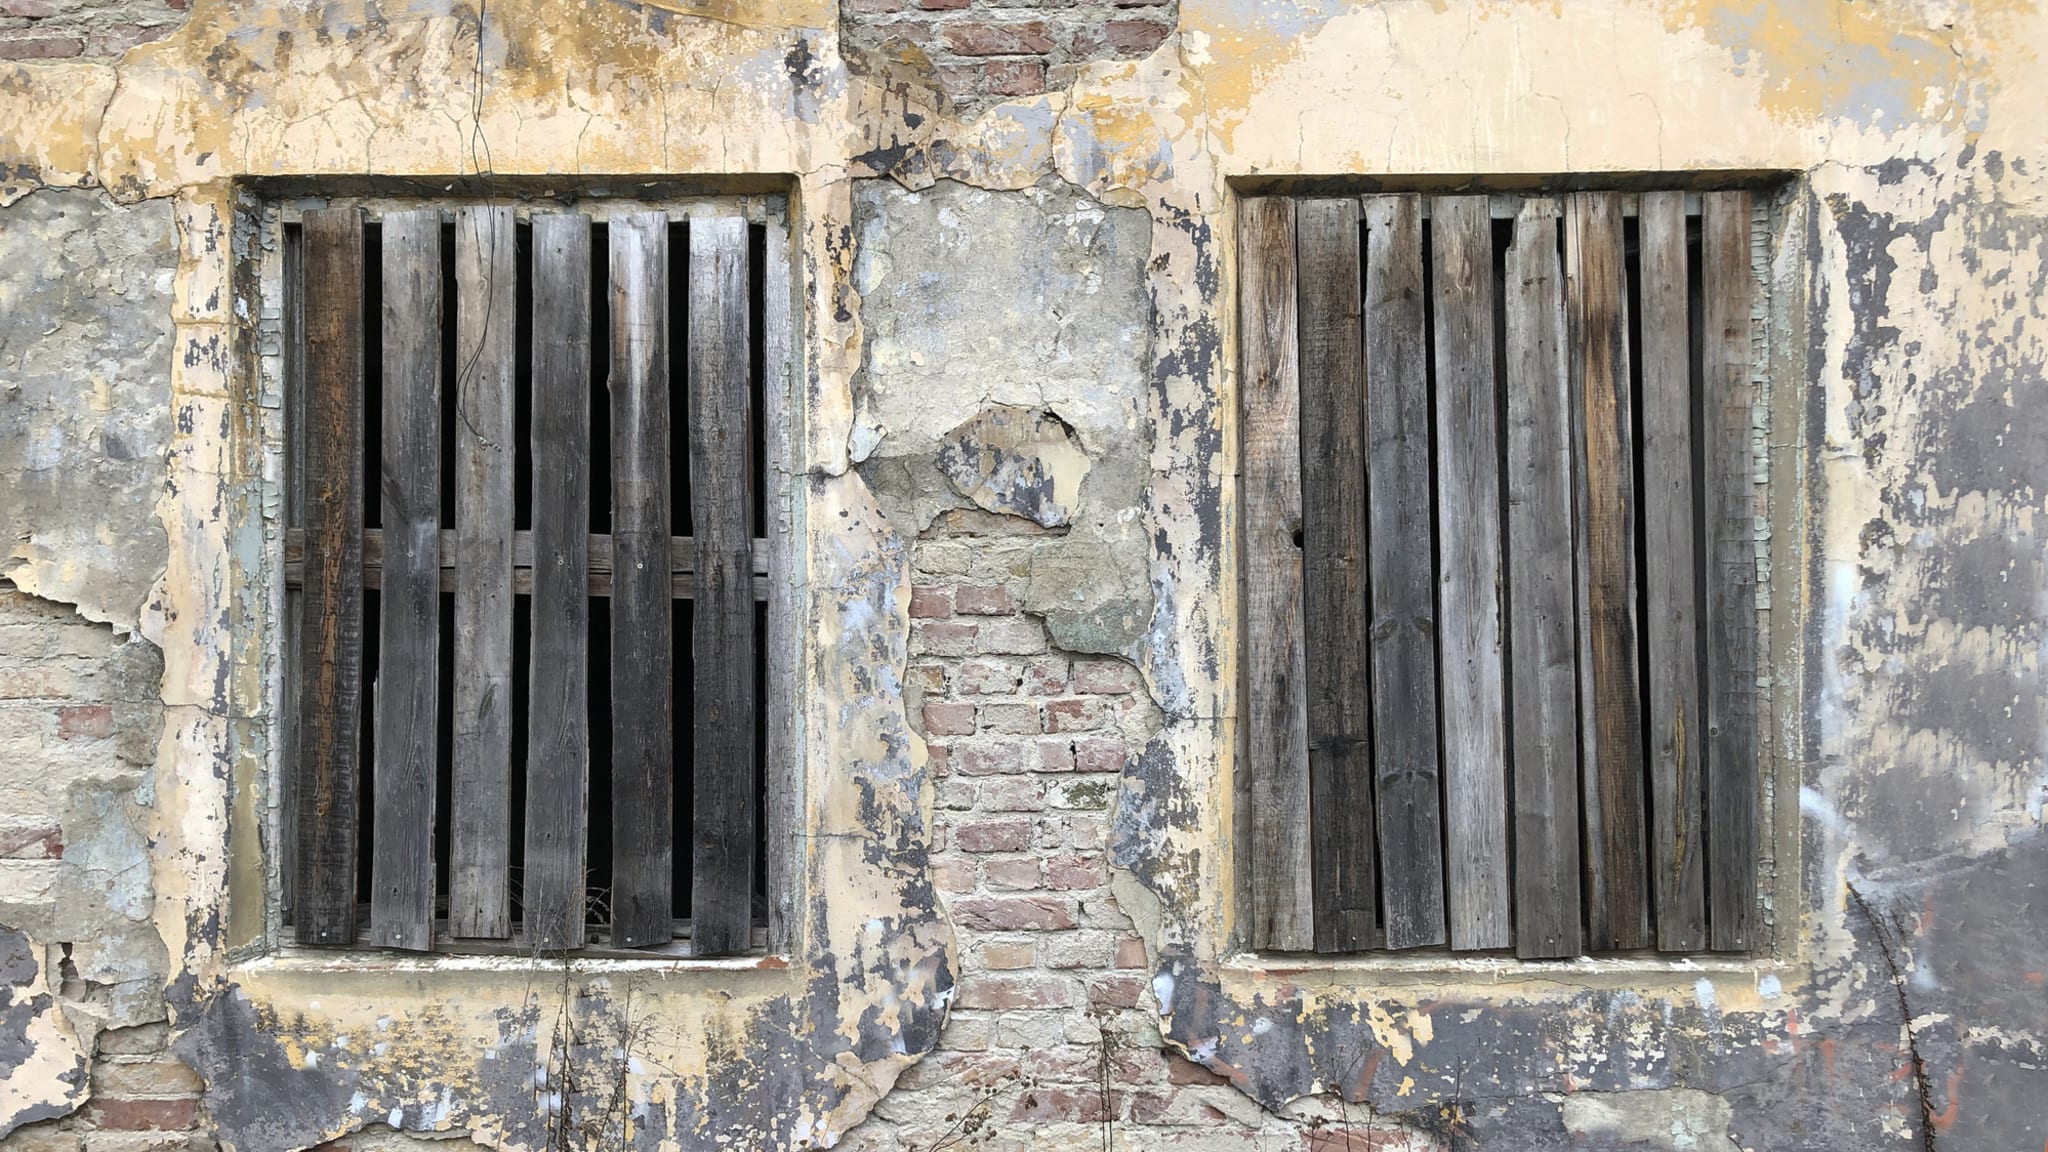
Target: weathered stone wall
[
  {"x": 58, "y": 29},
  {"x": 1013, "y": 481},
  {"x": 985, "y": 51}
]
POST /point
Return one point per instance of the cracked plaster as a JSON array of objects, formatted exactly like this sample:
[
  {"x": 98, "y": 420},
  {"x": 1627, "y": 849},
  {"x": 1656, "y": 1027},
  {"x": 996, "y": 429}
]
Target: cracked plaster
[{"x": 1905, "y": 574}]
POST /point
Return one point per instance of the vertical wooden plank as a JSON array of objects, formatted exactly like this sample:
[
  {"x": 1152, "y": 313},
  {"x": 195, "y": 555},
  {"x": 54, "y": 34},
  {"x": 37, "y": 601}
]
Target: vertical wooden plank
[
  {"x": 1543, "y": 683},
  {"x": 558, "y": 716},
  {"x": 1469, "y": 580},
  {"x": 331, "y": 635},
  {"x": 294, "y": 333},
  {"x": 1405, "y": 765},
  {"x": 1610, "y": 694},
  {"x": 643, "y": 785},
  {"x": 480, "y": 841},
  {"x": 723, "y": 807},
  {"x": 783, "y": 762},
  {"x": 1282, "y": 882},
  {"x": 1328, "y": 282},
  {"x": 1731, "y": 575},
  {"x": 1673, "y": 709},
  {"x": 407, "y": 691}
]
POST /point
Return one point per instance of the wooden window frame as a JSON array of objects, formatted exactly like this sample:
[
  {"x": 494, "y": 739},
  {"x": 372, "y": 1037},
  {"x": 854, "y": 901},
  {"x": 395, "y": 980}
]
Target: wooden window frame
[
  {"x": 283, "y": 322},
  {"x": 1304, "y": 330}
]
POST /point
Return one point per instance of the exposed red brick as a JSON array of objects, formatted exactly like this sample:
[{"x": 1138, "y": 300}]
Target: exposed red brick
[
  {"x": 954, "y": 875},
  {"x": 1099, "y": 754},
  {"x": 942, "y": 5},
  {"x": 1006, "y": 992},
  {"x": 994, "y": 836},
  {"x": 947, "y": 638},
  {"x": 1013, "y": 794},
  {"x": 114, "y": 40},
  {"x": 1117, "y": 991},
  {"x": 143, "y": 1115},
  {"x": 28, "y": 9},
  {"x": 927, "y": 677},
  {"x": 988, "y": 678},
  {"x": 949, "y": 718},
  {"x": 989, "y": 759},
  {"x": 90, "y": 721},
  {"x": 1012, "y": 636},
  {"x": 1023, "y": 874},
  {"x": 1134, "y": 37},
  {"x": 1055, "y": 756},
  {"x": 1181, "y": 1070},
  {"x": 1074, "y": 715},
  {"x": 1015, "y": 913},
  {"x": 975, "y": 600},
  {"x": 931, "y": 601},
  {"x": 1105, "y": 677},
  {"x": 1130, "y": 952},
  {"x": 1014, "y": 77},
  {"x": 941, "y": 759},
  {"x": 35, "y": 46},
  {"x": 1047, "y": 676},
  {"x": 1078, "y": 1106},
  {"x": 45, "y": 842},
  {"x": 1073, "y": 872},
  {"x": 977, "y": 38},
  {"x": 1016, "y": 719},
  {"x": 1008, "y": 956}
]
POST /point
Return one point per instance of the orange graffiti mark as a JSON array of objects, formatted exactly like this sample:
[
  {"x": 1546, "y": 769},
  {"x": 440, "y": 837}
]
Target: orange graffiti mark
[{"x": 1946, "y": 1118}]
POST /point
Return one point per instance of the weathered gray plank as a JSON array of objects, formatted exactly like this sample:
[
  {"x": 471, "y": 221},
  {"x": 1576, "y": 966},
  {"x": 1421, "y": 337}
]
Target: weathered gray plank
[
  {"x": 293, "y": 324},
  {"x": 642, "y": 760},
  {"x": 1731, "y": 575},
  {"x": 781, "y": 757},
  {"x": 722, "y": 860},
  {"x": 552, "y": 894},
  {"x": 1334, "y": 572},
  {"x": 1469, "y": 580},
  {"x": 409, "y": 662},
  {"x": 1542, "y": 683},
  {"x": 1610, "y": 694},
  {"x": 331, "y": 633},
  {"x": 1409, "y": 781},
  {"x": 682, "y": 563},
  {"x": 1276, "y": 713},
  {"x": 1673, "y": 713},
  {"x": 480, "y": 834}
]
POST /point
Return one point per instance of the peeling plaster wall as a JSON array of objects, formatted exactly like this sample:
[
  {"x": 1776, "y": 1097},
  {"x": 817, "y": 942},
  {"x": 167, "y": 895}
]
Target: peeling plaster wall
[{"x": 963, "y": 433}]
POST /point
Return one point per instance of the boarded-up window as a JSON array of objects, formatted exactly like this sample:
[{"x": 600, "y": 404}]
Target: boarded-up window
[
  {"x": 528, "y": 553},
  {"x": 1499, "y": 572}
]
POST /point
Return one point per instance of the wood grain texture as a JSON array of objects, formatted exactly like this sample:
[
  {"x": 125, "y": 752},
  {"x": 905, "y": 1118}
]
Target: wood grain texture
[
  {"x": 1673, "y": 713},
  {"x": 1469, "y": 576},
  {"x": 1282, "y": 880},
  {"x": 558, "y": 704},
  {"x": 1732, "y": 802},
  {"x": 781, "y": 755},
  {"x": 1334, "y": 572},
  {"x": 293, "y": 325},
  {"x": 331, "y": 633},
  {"x": 723, "y": 649},
  {"x": 1543, "y": 680},
  {"x": 1408, "y": 798},
  {"x": 480, "y": 826},
  {"x": 682, "y": 563},
  {"x": 408, "y": 676},
  {"x": 643, "y": 784},
  {"x": 1610, "y": 693}
]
